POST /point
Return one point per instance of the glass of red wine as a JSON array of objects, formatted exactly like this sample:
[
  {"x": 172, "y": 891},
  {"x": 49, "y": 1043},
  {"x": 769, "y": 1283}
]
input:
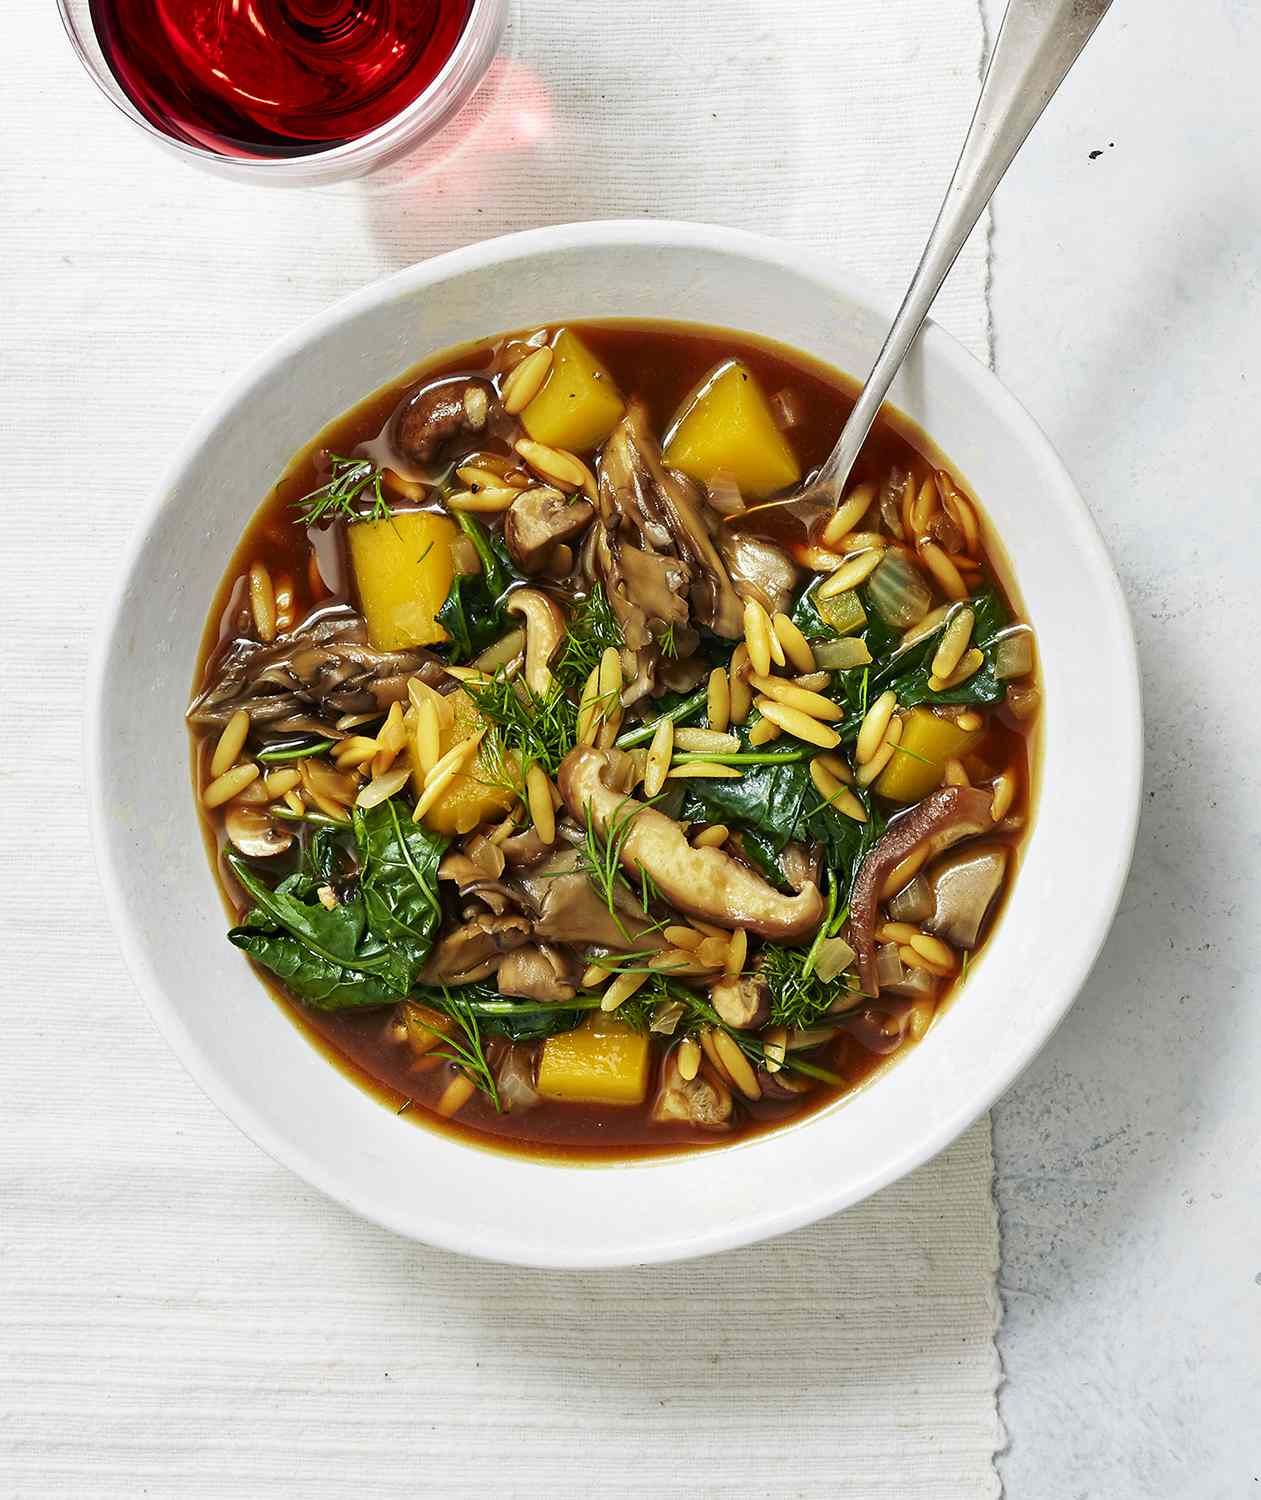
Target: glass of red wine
[{"x": 293, "y": 92}]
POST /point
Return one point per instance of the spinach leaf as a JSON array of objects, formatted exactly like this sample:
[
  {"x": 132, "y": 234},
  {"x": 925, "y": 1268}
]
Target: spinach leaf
[
  {"x": 339, "y": 937},
  {"x": 472, "y": 613},
  {"x": 326, "y": 959},
  {"x": 807, "y": 618},
  {"x": 307, "y": 976},
  {"x": 771, "y": 804},
  {"x": 398, "y": 881},
  {"x": 319, "y": 858},
  {"x": 908, "y": 674},
  {"x": 766, "y": 799},
  {"x": 370, "y": 948}
]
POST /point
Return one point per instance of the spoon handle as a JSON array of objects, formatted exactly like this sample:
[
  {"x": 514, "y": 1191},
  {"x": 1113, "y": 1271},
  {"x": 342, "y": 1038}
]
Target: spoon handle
[{"x": 1038, "y": 43}]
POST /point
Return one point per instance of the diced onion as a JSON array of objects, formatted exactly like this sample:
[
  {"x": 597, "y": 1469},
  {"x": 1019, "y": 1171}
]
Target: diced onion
[
  {"x": 1013, "y": 654},
  {"x": 889, "y": 968},
  {"x": 832, "y": 957},
  {"x": 840, "y": 655},
  {"x": 913, "y": 903}
]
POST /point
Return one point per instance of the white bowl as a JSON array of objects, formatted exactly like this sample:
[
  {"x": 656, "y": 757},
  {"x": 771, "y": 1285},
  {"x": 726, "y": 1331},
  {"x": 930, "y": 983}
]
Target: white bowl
[{"x": 251, "y": 1059}]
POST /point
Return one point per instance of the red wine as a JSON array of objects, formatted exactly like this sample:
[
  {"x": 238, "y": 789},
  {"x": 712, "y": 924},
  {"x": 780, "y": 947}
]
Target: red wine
[{"x": 250, "y": 78}]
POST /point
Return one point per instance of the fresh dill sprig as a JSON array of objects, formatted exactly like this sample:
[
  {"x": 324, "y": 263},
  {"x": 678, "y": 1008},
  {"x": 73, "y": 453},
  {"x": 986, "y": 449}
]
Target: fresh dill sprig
[
  {"x": 601, "y": 861},
  {"x": 592, "y": 628},
  {"x": 525, "y": 728},
  {"x": 799, "y": 998},
  {"x": 667, "y": 644},
  {"x": 353, "y": 481},
  {"x": 464, "y": 1049}
]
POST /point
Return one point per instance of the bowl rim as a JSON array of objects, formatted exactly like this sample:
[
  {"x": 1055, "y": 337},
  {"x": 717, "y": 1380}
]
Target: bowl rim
[{"x": 1125, "y": 757}]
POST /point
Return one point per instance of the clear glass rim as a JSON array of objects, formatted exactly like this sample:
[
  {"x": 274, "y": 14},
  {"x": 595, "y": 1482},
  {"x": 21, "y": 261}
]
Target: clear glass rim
[{"x": 424, "y": 116}]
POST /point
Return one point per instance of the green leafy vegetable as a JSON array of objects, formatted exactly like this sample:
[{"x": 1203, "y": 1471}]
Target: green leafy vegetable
[
  {"x": 909, "y": 675},
  {"x": 289, "y": 750},
  {"x": 774, "y": 802},
  {"x": 592, "y": 628},
  {"x": 398, "y": 881},
  {"x": 472, "y": 614},
  {"x": 682, "y": 708},
  {"x": 367, "y": 950},
  {"x": 353, "y": 482}
]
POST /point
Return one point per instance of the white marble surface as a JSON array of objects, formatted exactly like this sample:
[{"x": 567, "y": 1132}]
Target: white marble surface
[{"x": 1126, "y": 305}]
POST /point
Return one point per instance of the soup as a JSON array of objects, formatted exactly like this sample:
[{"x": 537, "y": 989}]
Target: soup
[{"x": 581, "y": 781}]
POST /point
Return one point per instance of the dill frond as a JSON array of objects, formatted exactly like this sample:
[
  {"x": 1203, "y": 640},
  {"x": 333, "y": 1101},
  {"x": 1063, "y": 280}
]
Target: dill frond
[
  {"x": 465, "y": 1049},
  {"x": 354, "y": 480},
  {"x": 525, "y": 728},
  {"x": 592, "y": 628}
]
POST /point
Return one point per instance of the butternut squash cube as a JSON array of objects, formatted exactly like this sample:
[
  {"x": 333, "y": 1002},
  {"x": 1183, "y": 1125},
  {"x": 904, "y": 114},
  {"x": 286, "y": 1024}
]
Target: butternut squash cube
[
  {"x": 473, "y": 796},
  {"x": 579, "y": 403},
  {"x": 928, "y": 742},
  {"x": 402, "y": 568},
  {"x": 727, "y": 427},
  {"x": 603, "y": 1062}
]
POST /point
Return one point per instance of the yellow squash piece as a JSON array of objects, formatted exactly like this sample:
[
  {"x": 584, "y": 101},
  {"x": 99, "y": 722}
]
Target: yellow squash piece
[
  {"x": 402, "y": 570},
  {"x": 473, "y": 796},
  {"x": 603, "y": 1062},
  {"x": 928, "y": 742},
  {"x": 726, "y": 427},
  {"x": 579, "y": 404}
]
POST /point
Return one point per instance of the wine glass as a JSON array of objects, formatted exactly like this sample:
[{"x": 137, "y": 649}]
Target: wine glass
[{"x": 418, "y": 121}]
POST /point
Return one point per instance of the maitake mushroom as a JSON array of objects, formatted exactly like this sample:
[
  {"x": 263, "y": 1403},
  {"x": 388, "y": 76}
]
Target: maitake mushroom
[{"x": 307, "y": 680}]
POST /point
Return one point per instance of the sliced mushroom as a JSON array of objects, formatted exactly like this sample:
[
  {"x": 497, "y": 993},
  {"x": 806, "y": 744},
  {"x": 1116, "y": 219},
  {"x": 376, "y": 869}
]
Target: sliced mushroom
[
  {"x": 659, "y": 500},
  {"x": 744, "y": 1003},
  {"x": 801, "y": 864},
  {"x": 254, "y": 833},
  {"x": 783, "y": 1085},
  {"x": 539, "y": 521},
  {"x": 544, "y": 631},
  {"x": 437, "y": 412},
  {"x": 703, "y": 882},
  {"x": 965, "y": 886},
  {"x": 514, "y": 1077},
  {"x": 570, "y": 911},
  {"x": 759, "y": 568},
  {"x": 704, "y": 1101},
  {"x": 537, "y": 973},
  {"x": 878, "y": 1028},
  {"x": 944, "y": 818},
  {"x": 525, "y": 849},
  {"x": 475, "y": 949},
  {"x": 307, "y": 681}
]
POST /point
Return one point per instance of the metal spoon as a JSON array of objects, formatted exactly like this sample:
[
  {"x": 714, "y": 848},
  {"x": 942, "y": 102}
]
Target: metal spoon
[{"x": 1039, "y": 42}]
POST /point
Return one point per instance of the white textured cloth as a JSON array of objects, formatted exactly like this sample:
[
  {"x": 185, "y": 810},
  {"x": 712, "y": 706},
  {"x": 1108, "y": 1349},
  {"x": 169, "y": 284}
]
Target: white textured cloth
[{"x": 178, "y": 1316}]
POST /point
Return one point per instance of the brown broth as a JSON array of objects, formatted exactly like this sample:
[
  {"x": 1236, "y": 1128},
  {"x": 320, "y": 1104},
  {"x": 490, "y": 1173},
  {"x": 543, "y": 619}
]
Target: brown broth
[{"x": 661, "y": 363}]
